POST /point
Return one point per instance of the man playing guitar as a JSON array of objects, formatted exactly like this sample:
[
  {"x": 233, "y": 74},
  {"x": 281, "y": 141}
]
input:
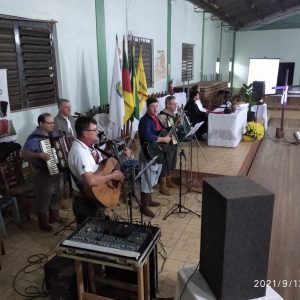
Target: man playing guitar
[
  {"x": 83, "y": 162},
  {"x": 149, "y": 129}
]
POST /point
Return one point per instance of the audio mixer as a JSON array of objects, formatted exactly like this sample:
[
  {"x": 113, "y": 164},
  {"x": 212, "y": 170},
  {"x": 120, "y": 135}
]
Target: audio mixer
[{"x": 116, "y": 238}]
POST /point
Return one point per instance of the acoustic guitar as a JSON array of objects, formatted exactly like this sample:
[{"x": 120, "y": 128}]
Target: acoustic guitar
[
  {"x": 108, "y": 194},
  {"x": 160, "y": 149}
]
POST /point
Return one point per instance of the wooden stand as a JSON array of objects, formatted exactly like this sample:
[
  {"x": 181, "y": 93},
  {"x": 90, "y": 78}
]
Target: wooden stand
[
  {"x": 142, "y": 288},
  {"x": 279, "y": 133}
]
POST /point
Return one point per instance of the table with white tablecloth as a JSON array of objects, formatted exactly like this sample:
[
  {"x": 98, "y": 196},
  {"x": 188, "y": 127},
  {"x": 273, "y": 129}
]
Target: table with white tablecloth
[
  {"x": 192, "y": 286},
  {"x": 226, "y": 130}
]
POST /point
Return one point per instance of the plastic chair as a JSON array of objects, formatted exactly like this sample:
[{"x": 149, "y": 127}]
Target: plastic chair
[
  {"x": 6, "y": 202},
  {"x": 12, "y": 182}
]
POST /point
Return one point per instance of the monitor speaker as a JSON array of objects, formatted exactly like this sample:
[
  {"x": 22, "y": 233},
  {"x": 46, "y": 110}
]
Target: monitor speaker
[
  {"x": 258, "y": 90},
  {"x": 235, "y": 236},
  {"x": 60, "y": 278}
]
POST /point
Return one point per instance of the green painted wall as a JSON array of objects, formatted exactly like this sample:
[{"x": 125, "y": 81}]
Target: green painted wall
[
  {"x": 101, "y": 48},
  {"x": 169, "y": 36}
]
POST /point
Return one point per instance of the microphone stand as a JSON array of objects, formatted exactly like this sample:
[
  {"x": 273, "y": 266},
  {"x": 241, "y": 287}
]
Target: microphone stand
[
  {"x": 131, "y": 183},
  {"x": 179, "y": 206},
  {"x": 131, "y": 189}
]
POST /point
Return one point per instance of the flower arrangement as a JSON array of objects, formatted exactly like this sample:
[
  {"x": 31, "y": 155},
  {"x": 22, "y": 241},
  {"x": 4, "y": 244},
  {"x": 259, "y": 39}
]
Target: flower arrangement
[{"x": 255, "y": 130}]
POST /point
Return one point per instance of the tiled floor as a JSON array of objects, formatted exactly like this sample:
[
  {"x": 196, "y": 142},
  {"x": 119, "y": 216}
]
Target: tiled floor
[{"x": 179, "y": 246}]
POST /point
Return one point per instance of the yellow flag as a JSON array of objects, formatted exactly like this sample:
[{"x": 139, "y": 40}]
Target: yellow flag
[
  {"x": 141, "y": 81},
  {"x": 127, "y": 90}
]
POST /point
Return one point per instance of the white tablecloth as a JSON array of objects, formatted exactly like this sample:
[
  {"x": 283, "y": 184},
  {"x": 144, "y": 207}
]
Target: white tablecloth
[
  {"x": 198, "y": 289},
  {"x": 226, "y": 130},
  {"x": 261, "y": 112}
]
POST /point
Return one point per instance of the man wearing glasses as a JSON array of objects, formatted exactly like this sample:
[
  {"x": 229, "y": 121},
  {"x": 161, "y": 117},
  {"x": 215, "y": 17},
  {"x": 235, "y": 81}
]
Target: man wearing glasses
[
  {"x": 47, "y": 189},
  {"x": 83, "y": 162}
]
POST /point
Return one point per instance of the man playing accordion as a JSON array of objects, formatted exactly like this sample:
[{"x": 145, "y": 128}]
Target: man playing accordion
[
  {"x": 47, "y": 189},
  {"x": 168, "y": 119}
]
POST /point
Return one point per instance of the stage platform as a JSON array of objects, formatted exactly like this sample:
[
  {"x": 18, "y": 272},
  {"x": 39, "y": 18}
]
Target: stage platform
[{"x": 206, "y": 161}]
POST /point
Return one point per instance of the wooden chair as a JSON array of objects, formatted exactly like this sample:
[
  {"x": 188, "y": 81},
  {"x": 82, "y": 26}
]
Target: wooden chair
[{"x": 12, "y": 182}]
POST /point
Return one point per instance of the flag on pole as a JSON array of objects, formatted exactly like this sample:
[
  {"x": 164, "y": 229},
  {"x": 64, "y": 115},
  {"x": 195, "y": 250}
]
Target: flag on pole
[
  {"x": 141, "y": 81},
  {"x": 127, "y": 90},
  {"x": 117, "y": 109},
  {"x": 133, "y": 83}
]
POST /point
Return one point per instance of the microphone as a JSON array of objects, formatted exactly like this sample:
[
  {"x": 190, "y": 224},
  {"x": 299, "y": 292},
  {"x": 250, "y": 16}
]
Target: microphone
[
  {"x": 77, "y": 114},
  {"x": 101, "y": 136},
  {"x": 102, "y": 151}
]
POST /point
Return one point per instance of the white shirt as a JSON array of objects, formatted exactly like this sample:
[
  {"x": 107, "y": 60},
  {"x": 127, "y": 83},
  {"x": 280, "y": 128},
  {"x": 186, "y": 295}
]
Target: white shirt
[
  {"x": 70, "y": 130},
  {"x": 200, "y": 106},
  {"x": 81, "y": 160}
]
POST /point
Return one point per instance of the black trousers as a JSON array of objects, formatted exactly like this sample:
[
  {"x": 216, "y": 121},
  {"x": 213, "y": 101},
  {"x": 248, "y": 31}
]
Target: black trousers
[
  {"x": 170, "y": 162},
  {"x": 84, "y": 208}
]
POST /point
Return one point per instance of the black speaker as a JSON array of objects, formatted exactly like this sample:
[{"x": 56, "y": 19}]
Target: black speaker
[
  {"x": 258, "y": 90},
  {"x": 60, "y": 278},
  {"x": 235, "y": 236}
]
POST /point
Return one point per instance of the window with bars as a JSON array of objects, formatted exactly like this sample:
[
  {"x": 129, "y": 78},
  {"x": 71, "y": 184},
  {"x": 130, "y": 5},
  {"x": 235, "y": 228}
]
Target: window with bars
[
  {"x": 147, "y": 54},
  {"x": 27, "y": 52},
  {"x": 187, "y": 62}
]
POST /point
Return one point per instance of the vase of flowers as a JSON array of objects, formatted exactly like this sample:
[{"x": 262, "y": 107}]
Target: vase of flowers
[{"x": 254, "y": 131}]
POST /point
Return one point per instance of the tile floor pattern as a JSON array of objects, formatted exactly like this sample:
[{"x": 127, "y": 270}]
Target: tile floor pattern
[{"x": 180, "y": 244}]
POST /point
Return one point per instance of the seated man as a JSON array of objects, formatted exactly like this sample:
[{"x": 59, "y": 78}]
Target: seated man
[
  {"x": 83, "y": 162},
  {"x": 47, "y": 189},
  {"x": 197, "y": 113}
]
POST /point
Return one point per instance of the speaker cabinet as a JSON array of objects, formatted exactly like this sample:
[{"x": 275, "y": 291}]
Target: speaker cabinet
[
  {"x": 258, "y": 90},
  {"x": 235, "y": 236}
]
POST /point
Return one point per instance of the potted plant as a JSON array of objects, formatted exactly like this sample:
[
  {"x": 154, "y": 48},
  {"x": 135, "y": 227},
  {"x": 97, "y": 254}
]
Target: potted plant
[
  {"x": 253, "y": 131},
  {"x": 246, "y": 93}
]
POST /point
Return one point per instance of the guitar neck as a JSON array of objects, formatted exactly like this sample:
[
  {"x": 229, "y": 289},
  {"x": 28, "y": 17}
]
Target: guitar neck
[{"x": 128, "y": 144}]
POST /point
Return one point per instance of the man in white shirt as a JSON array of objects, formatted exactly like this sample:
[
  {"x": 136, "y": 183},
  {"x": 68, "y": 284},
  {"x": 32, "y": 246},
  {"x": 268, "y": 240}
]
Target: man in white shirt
[
  {"x": 64, "y": 122},
  {"x": 83, "y": 160}
]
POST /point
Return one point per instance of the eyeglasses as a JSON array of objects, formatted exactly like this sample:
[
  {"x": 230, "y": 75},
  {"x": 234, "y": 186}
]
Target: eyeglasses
[
  {"x": 92, "y": 130},
  {"x": 49, "y": 123}
]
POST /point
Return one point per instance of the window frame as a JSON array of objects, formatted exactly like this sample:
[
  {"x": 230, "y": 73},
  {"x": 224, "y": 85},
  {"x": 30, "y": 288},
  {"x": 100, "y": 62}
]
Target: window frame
[
  {"x": 34, "y": 43},
  {"x": 147, "y": 59},
  {"x": 187, "y": 62}
]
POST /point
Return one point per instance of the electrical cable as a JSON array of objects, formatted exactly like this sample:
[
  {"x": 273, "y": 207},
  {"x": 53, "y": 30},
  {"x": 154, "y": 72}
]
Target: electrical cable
[
  {"x": 198, "y": 265},
  {"x": 35, "y": 263}
]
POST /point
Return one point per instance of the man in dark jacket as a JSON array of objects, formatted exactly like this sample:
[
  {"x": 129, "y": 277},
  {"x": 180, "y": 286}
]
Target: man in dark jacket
[
  {"x": 197, "y": 113},
  {"x": 149, "y": 129}
]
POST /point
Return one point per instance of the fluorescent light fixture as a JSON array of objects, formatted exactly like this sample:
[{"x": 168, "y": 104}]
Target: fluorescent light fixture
[
  {"x": 218, "y": 66},
  {"x": 230, "y": 65}
]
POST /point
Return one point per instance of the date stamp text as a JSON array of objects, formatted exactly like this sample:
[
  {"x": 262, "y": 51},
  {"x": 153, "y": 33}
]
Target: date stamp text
[{"x": 291, "y": 283}]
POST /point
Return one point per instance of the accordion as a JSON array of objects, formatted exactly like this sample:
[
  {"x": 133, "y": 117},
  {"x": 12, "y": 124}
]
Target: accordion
[{"x": 57, "y": 148}]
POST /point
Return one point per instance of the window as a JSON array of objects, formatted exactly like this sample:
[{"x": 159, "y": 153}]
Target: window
[
  {"x": 27, "y": 52},
  {"x": 147, "y": 55},
  {"x": 187, "y": 62}
]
